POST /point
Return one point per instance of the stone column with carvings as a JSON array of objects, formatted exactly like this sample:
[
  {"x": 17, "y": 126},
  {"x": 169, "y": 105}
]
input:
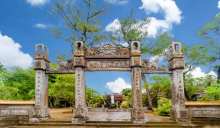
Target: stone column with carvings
[
  {"x": 80, "y": 112},
  {"x": 137, "y": 112},
  {"x": 41, "y": 64},
  {"x": 176, "y": 65}
]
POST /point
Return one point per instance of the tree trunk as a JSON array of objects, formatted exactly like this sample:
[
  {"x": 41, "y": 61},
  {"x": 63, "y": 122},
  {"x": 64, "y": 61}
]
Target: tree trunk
[
  {"x": 218, "y": 75},
  {"x": 148, "y": 92},
  {"x": 186, "y": 95}
]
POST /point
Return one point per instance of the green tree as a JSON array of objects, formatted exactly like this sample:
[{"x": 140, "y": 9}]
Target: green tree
[
  {"x": 158, "y": 84},
  {"x": 83, "y": 22},
  {"x": 130, "y": 30},
  {"x": 194, "y": 55},
  {"x": 164, "y": 106},
  {"x": 18, "y": 82},
  {"x": 210, "y": 34},
  {"x": 126, "y": 91},
  {"x": 92, "y": 95},
  {"x": 213, "y": 91},
  {"x": 135, "y": 30},
  {"x": 2, "y": 70},
  {"x": 61, "y": 86}
]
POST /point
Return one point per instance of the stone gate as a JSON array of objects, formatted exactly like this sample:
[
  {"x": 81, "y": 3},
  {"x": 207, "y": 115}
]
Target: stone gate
[{"x": 109, "y": 58}]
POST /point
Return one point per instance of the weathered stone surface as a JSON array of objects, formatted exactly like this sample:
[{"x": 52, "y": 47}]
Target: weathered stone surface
[
  {"x": 137, "y": 112},
  {"x": 41, "y": 83},
  {"x": 79, "y": 61},
  {"x": 13, "y": 112},
  {"x": 176, "y": 63},
  {"x": 16, "y": 110},
  {"x": 116, "y": 64},
  {"x": 79, "y": 49},
  {"x": 106, "y": 49},
  {"x": 152, "y": 67},
  {"x": 41, "y": 94},
  {"x": 80, "y": 112}
]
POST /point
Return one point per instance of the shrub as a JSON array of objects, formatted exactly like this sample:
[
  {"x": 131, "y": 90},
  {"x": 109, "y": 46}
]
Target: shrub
[
  {"x": 123, "y": 104},
  {"x": 164, "y": 106}
]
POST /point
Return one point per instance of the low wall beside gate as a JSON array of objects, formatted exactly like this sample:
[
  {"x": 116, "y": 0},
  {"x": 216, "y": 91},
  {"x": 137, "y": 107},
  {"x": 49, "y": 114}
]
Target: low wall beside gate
[
  {"x": 14, "y": 112},
  {"x": 203, "y": 109}
]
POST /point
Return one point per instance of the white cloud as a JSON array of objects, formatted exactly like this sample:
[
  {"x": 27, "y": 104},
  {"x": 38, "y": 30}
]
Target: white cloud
[
  {"x": 168, "y": 7},
  {"x": 117, "y": 1},
  {"x": 218, "y": 5},
  {"x": 153, "y": 58},
  {"x": 10, "y": 54},
  {"x": 41, "y": 26},
  {"x": 117, "y": 85},
  {"x": 37, "y": 2},
  {"x": 113, "y": 25},
  {"x": 198, "y": 73}
]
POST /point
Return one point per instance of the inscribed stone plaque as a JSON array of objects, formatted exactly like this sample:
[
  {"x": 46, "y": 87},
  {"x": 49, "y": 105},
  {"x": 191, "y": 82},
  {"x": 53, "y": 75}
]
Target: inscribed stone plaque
[
  {"x": 107, "y": 63},
  {"x": 197, "y": 113},
  {"x": 216, "y": 113},
  {"x": 207, "y": 113},
  {"x": 7, "y": 112}
]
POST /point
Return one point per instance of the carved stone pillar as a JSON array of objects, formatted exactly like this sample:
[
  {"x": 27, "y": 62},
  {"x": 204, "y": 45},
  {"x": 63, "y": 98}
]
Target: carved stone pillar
[
  {"x": 176, "y": 65},
  {"x": 80, "y": 112},
  {"x": 41, "y": 64},
  {"x": 137, "y": 112}
]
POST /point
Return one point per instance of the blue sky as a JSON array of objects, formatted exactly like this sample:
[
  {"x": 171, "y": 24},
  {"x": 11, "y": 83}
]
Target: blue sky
[{"x": 25, "y": 23}]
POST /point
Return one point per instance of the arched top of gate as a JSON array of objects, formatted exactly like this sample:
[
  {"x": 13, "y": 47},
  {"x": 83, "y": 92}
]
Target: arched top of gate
[{"x": 106, "y": 50}]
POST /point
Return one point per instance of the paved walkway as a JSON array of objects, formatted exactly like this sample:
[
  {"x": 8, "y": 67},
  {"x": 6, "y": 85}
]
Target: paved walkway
[{"x": 66, "y": 114}]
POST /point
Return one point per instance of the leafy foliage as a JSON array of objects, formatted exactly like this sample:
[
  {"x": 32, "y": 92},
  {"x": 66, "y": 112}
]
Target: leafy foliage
[
  {"x": 193, "y": 85},
  {"x": 17, "y": 83},
  {"x": 83, "y": 23},
  {"x": 92, "y": 95},
  {"x": 164, "y": 106},
  {"x": 213, "y": 91},
  {"x": 127, "y": 92},
  {"x": 130, "y": 30},
  {"x": 210, "y": 34}
]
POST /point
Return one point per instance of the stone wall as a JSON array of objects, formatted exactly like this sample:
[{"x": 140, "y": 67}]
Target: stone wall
[
  {"x": 203, "y": 109},
  {"x": 11, "y": 114},
  {"x": 16, "y": 110}
]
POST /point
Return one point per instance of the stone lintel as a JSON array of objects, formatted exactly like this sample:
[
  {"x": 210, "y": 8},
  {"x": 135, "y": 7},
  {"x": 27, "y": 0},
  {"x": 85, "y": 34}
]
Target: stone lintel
[
  {"x": 109, "y": 57},
  {"x": 61, "y": 72},
  {"x": 36, "y": 57},
  {"x": 156, "y": 72},
  {"x": 108, "y": 69}
]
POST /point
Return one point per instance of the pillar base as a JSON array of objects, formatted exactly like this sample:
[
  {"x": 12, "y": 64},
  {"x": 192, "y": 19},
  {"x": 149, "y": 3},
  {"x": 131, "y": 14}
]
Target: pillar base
[
  {"x": 180, "y": 115},
  {"x": 41, "y": 113},
  {"x": 79, "y": 120},
  {"x": 80, "y": 115},
  {"x": 138, "y": 121},
  {"x": 36, "y": 120},
  {"x": 137, "y": 115}
]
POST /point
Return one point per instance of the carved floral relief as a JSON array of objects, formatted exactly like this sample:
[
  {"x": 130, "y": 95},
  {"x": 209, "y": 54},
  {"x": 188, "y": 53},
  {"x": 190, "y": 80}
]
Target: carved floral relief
[
  {"x": 107, "y": 49},
  {"x": 151, "y": 66}
]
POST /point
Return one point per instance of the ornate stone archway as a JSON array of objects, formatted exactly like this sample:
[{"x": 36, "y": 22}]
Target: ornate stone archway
[{"x": 110, "y": 58}]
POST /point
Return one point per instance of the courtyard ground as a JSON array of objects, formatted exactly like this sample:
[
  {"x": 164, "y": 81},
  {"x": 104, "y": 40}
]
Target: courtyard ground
[{"x": 66, "y": 114}]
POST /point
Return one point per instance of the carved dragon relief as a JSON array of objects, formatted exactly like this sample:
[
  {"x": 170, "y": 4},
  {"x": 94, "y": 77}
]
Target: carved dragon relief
[
  {"x": 107, "y": 49},
  {"x": 64, "y": 66},
  {"x": 151, "y": 66}
]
